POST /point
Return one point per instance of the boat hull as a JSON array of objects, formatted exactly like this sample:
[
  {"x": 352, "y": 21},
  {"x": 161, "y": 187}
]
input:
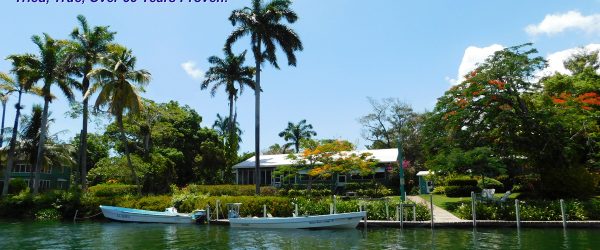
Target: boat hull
[
  {"x": 343, "y": 220},
  {"x": 136, "y": 215}
]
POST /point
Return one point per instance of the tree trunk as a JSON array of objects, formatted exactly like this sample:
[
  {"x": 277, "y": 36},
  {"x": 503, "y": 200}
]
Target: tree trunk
[
  {"x": 8, "y": 167},
  {"x": 310, "y": 181},
  {"x": 258, "y": 60},
  {"x": 231, "y": 121},
  {"x": 83, "y": 148},
  {"x": 2, "y": 130},
  {"x": 124, "y": 139},
  {"x": 41, "y": 144},
  {"x": 13, "y": 142}
]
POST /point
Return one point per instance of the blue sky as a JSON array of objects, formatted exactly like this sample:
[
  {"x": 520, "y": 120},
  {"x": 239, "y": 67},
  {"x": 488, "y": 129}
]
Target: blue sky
[{"x": 411, "y": 50}]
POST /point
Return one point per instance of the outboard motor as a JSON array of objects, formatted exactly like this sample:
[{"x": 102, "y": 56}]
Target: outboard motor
[
  {"x": 233, "y": 210},
  {"x": 199, "y": 216}
]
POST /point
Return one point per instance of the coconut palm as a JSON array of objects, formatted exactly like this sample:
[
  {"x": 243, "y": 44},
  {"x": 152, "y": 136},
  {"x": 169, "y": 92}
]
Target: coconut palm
[
  {"x": 88, "y": 45},
  {"x": 53, "y": 67},
  {"x": 227, "y": 72},
  {"x": 263, "y": 23},
  {"x": 294, "y": 133},
  {"x": 120, "y": 82},
  {"x": 54, "y": 154},
  {"x": 222, "y": 126},
  {"x": 22, "y": 83}
]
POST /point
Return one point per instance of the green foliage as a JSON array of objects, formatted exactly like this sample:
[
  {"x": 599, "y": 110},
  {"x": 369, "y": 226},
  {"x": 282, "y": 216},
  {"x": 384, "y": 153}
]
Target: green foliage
[
  {"x": 460, "y": 191},
  {"x": 48, "y": 214},
  {"x": 439, "y": 190},
  {"x": 461, "y": 181},
  {"x": 576, "y": 182},
  {"x": 535, "y": 210},
  {"x": 490, "y": 183},
  {"x": 218, "y": 190},
  {"x": 16, "y": 186},
  {"x": 112, "y": 190}
]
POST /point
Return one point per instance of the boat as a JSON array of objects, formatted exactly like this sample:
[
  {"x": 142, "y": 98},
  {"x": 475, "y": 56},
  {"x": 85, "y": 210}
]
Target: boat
[
  {"x": 338, "y": 220},
  {"x": 170, "y": 215}
]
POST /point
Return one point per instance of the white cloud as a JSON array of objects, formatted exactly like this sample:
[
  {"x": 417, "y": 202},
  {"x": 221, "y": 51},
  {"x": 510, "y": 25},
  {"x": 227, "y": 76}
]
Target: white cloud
[
  {"x": 192, "y": 70},
  {"x": 556, "y": 60},
  {"x": 473, "y": 56},
  {"x": 557, "y": 23}
]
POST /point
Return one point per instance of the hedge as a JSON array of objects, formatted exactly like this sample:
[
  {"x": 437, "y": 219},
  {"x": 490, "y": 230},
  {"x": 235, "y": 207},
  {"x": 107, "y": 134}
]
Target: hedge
[
  {"x": 461, "y": 181},
  {"x": 460, "y": 191}
]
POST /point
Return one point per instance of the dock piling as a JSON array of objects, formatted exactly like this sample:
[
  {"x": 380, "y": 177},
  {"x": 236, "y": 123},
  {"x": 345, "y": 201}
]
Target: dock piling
[
  {"x": 517, "y": 213},
  {"x": 265, "y": 211},
  {"x": 208, "y": 214},
  {"x": 431, "y": 208},
  {"x": 401, "y": 215},
  {"x": 474, "y": 208},
  {"x": 562, "y": 211}
]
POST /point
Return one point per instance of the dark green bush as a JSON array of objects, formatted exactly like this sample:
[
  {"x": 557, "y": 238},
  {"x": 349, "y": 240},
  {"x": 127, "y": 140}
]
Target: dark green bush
[
  {"x": 218, "y": 190},
  {"x": 461, "y": 181},
  {"x": 16, "y": 185},
  {"x": 491, "y": 183},
  {"x": 461, "y": 191},
  {"x": 575, "y": 182},
  {"x": 111, "y": 190}
]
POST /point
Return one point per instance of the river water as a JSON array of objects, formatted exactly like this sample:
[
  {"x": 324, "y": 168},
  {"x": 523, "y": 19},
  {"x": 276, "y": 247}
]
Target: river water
[{"x": 115, "y": 235}]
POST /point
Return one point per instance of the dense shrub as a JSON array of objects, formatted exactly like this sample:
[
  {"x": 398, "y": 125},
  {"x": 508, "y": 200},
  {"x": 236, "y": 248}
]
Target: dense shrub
[
  {"x": 111, "y": 190},
  {"x": 439, "y": 190},
  {"x": 535, "y": 210},
  {"x": 461, "y": 181},
  {"x": 16, "y": 185},
  {"x": 575, "y": 182},
  {"x": 491, "y": 183},
  {"x": 461, "y": 191},
  {"x": 48, "y": 214},
  {"x": 218, "y": 190}
]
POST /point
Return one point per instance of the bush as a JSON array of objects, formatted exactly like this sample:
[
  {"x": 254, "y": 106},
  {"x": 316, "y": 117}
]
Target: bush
[
  {"x": 112, "y": 190},
  {"x": 491, "y": 183},
  {"x": 575, "y": 182},
  {"x": 218, "y": 190},
  {"x": 460, "y": 191},
  {"x": 16, "y": 185},
  {"x": 461, "y": 181},
  {"x": 439, "y": 190},
  {"x": 48, "y": 214}
]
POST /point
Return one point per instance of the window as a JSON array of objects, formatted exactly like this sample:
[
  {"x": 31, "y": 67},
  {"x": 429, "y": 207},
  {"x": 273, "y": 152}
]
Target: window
[
  {"x": 44, "y": 184},
  {"x": 341, "y": 179},
  {"x": 47, "y": 170},
  {"x": 22, "y": 168},
  {"x": 61, "y": 184}
]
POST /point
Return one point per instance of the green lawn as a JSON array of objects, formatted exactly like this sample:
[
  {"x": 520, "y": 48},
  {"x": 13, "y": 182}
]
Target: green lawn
[{"x": 448, "y": 203}]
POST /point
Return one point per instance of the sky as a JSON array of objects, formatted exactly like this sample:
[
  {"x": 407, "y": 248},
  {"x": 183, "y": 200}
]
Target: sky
[{"x": 410, "y": 50}]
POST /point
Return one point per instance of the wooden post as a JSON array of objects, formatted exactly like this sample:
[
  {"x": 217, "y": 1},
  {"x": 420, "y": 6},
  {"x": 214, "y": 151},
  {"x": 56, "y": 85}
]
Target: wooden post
[
  {"x": 208, "y": 214},
  {"x": 415, "y": 212},
  {"x": 562, "y": 211},
  {"x": 401, "y": 215},
  {"x": 397, "y": 213},
  {"x": 517, "y": 213},
  {"x": 334, "y": 204},
  {"x": 387, "y": 211},
  {"x": 473, "y": 209},
  {"x": 366, "y": 217},
  {"x": 75, "y": 217},
  {"x": 330, "y": 208},
  {"x": 431, "y": 208},
  {"x": 217, "y": 208},
  {"x": 296, "y": 209},
  {"x": 265, "y": 211}
]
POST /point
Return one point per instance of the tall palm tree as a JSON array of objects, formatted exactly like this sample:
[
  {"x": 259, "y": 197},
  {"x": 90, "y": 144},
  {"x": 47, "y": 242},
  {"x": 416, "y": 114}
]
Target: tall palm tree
[
  {"x": 88, "y": 45},
  {"x": 120, "y": 82},
  {"x": 227, "y": 72},
  {"x": 294, "y": 133},
  {"x": 263, "y": 23},
  {"x": 53, "y": 67},
  {"x": 22, "y": 83}
]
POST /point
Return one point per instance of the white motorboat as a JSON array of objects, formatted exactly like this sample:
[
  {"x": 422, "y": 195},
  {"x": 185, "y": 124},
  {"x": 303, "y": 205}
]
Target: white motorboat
[
  {"x": 341, "y": 220},
  {"x": 170, "y": 215}
]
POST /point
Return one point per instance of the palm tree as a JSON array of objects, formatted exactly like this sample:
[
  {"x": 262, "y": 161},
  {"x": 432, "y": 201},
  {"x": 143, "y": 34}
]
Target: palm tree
[
  {"x": 87, "y": 47},
  {"x": 22, "y": 83},
  {"x": 222, "y": 126},
  {"x": 263, "y": 24},
  {"x": 294, "y": 133},
  {"x": 52, "y": 65},
  {"x": 120, "y": 83},
  {"x": 226, "y": 72},
  {"x": 54, "y": 154}
]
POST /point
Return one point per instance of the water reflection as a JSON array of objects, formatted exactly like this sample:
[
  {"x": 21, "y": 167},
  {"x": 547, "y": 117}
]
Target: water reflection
[{"x": 29, "y": 235}]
